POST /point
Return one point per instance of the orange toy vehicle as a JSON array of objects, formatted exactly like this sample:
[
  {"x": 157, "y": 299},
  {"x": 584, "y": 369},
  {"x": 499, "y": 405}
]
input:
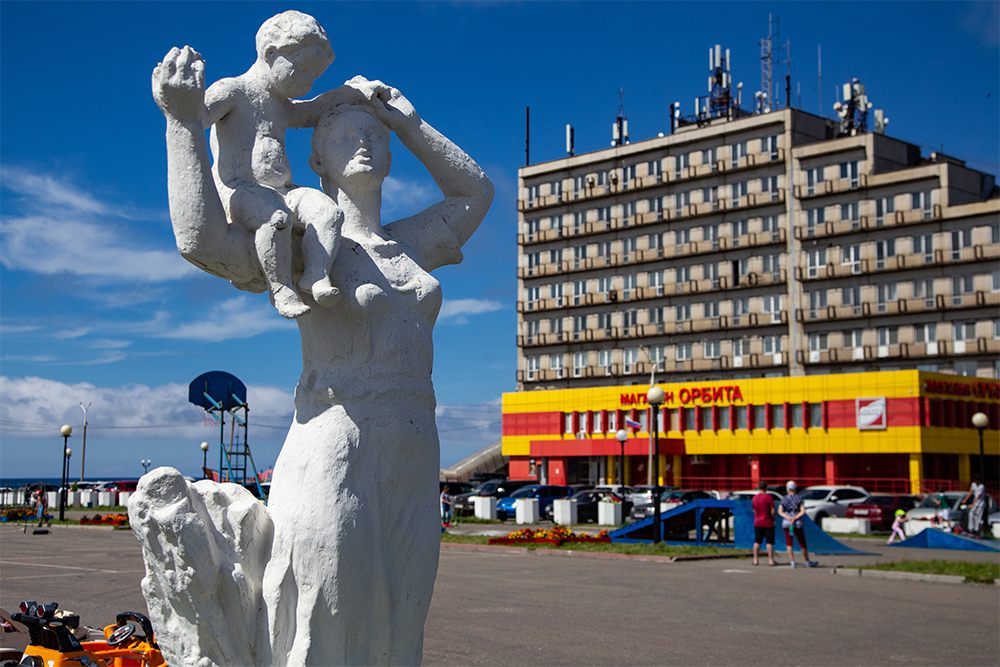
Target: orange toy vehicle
[{"x": 53, "y": 644}]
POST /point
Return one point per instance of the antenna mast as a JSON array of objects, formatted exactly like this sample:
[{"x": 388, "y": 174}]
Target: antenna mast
[
  {"x": 619, "y": 131},
  {"x": 767, "y": 65},
  {"x": 819, "y": 76}
]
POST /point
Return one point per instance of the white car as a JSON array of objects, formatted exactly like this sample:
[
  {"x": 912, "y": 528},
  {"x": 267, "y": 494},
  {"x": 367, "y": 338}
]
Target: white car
[{"x": 824, "y": 501}]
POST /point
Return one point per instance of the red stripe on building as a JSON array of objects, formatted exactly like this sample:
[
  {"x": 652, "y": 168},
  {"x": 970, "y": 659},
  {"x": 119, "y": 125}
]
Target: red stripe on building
[
  {"x": 603, "y": 447},
  {"x": 533, "y": 423}
]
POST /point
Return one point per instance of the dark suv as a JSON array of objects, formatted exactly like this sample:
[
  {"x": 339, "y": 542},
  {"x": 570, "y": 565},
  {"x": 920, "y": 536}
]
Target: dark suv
[{"x": 497, "y": 488}]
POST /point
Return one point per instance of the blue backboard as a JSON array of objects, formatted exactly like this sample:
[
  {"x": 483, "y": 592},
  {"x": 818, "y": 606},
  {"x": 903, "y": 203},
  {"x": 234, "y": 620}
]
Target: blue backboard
[{"x": 221, "y": 386}]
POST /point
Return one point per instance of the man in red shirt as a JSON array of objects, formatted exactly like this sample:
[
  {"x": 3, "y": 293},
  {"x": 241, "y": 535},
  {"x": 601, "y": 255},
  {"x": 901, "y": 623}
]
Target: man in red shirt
[{"x": 763, "y": 522}]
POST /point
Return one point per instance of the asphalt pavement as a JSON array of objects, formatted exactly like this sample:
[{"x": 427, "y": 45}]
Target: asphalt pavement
[{"x": 536, "y": 608}]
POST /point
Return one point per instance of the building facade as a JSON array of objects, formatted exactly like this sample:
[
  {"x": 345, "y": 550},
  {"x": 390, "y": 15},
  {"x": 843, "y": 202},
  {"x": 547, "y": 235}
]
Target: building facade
[
  {"x": 761, "y": 246},
  {"x": 891, "y": 431}
]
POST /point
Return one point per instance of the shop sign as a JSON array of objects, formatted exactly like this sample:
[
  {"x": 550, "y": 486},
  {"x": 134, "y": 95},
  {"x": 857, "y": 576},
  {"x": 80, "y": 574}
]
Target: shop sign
[
  {"x": 871, "y": 413},
  {"x": 727, "y": 394},
  {"x": 977, "y": 389}
]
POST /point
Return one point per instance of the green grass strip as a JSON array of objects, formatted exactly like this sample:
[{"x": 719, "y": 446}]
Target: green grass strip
[
  {"x": 630, "y": 549},
  {"x": 977, "y": 573}
]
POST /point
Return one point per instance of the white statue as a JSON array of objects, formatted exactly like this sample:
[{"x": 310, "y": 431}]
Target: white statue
[{"x": 350, "y": 572}]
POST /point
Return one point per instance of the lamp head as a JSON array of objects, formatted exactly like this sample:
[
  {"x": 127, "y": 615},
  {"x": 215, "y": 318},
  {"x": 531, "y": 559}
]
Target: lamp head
[
  {"x": 655, "y": 396},
  {"x": 69, "y": 452},
  {"x": 621, "y": 435},
  {"x": 66, "y": 430},
  {"x": 980, "y": 420},
  {"x": 204, "y": 446}
]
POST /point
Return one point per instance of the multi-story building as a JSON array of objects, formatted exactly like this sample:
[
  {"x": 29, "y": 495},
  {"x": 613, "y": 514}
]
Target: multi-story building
[
  {"x": 762, "y": 246},
  {"x": 747, "y": 247}
]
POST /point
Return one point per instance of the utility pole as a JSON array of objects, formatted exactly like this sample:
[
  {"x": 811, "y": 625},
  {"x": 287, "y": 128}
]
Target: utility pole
[{"x": 83, "y": 453}]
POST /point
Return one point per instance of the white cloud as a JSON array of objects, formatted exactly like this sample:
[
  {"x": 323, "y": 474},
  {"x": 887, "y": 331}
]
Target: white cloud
[
  {"x": 458, "y": 310},
  {"x": 402, "y": 197},
  {"x": 36, "y": 407},
  {"x": 62, "y": 229},
  {"x": 18, "y": 328},
  {"x": 241, "y": 317},
  {"x": 108, "y": 344},
  {"x": 68, "y": 334}
]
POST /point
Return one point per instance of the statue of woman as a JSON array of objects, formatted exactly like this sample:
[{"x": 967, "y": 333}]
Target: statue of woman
[{"x": 353, "y": 495}]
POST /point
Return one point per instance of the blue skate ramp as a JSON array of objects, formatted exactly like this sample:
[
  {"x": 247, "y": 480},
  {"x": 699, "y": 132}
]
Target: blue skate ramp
[
  {"x": 706, "y": 523},
  {"x": 933, "y": 538}
]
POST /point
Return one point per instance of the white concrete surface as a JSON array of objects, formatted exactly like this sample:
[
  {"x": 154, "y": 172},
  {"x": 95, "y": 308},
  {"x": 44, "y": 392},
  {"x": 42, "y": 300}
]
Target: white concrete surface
[
  {"x": 609, "y": 514},
  {"x": 833, "y": 524},
  {"x": 526, "y": 510},
  {"x": 564, "y": 512},
  {"x": 485, "y": 507},
  {"x": 107, "y": 498}
]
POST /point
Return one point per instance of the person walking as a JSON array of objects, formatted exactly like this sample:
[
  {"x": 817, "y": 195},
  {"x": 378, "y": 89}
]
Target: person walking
[
  {"x": 446, "y": 506},
  {"x": 792, "y": 509},
  {"x": 763, "y": 523},
  {"x": 40, "y": 503},
  {"x": 897, "y": 527},
  {"x": 977, "y": 510}
]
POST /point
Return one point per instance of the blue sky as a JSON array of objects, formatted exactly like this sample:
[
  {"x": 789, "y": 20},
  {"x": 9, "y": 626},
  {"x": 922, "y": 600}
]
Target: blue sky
[{"x": 97, "y": 307}]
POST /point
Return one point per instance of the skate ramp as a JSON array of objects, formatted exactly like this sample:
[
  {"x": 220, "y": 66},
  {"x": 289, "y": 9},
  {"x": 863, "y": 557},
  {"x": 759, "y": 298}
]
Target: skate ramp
[{"x": 934, "y": 538}]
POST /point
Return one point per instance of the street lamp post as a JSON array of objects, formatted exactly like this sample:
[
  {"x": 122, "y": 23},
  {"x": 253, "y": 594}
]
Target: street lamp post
[
  {"x": 655, "y": 398},
  {"x": 66, "y": 431},
  {"x": 83, "y": 453},
  {"x": 981, "y": 421},
  {"x": 621, "y": 436},
  {"x": 145, "y": 465},
  {"x": 204, "y": 460}
]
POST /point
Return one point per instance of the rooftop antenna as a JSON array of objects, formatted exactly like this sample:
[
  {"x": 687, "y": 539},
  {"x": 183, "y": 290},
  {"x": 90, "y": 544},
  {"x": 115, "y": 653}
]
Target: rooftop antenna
[
  {"x": 527, "y": 136},
  {"x": 767, "y": 64},
  {"x": 819, "y": 75},
  {"x": 569, "y": 139},
  {"x": 619, "y": 131},
  {"x": 853, "y": 111},
  {"x": 788, "y": 76}
]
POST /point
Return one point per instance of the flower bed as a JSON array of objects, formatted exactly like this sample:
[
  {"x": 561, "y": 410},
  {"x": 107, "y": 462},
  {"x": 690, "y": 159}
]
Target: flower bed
[
  {"x": 107, "y": 520},
  {"x": 15, "y": 514},
  {"x": 557, "y": 535}
]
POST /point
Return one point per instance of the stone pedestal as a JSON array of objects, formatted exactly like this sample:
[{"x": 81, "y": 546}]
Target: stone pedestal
[
  {"x": 485, "y": 507},
  {"x": 564, "y": 512},
  {"x": 72, "y": 498},
  {"x": 833, "y": 524},
  {"x": 609, "y": 514},
  {"x": 88, "y": 498},
  {"x": 123, "y": 497},
  {"x": 52, "y": 497},
  {"x": 106, "y": 498},
  {"x": 526, "y": 510}
]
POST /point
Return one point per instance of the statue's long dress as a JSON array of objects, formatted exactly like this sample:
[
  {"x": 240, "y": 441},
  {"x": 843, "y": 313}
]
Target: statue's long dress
[{"x": 354, "y": 493}]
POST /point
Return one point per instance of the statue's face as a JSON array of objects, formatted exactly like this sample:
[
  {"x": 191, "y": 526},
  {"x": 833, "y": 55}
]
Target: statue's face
[
  {"x": 356, "y": 148},
  {"x": 294, "y": 70}
]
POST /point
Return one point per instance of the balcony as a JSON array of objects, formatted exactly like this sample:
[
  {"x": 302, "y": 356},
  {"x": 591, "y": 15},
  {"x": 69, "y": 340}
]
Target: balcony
[{"x": 832, "y": 187}]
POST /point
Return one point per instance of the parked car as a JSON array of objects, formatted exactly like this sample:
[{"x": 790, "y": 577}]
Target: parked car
[
  {"x": 881, "y": 510},
  {"x": 824, "y": 501},
  {"x": 668, "y": 501},
  {"x": 497, "y": 488},
  {"x": 748, "y": 495},
  {"x": 927, "y": 509},
  {"x": 642, "y": 494},
  {"x": 587, "y": 504},
  {"x": 546, "y": 495},
  {"x": 456, "y": 488},
  {"x": 624, "y": 492}
]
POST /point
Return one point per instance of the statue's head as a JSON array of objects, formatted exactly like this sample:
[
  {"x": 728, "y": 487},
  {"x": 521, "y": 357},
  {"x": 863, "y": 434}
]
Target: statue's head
[
  {"x": 350, "y": 150},
  {"x": 296, "y": 51}
]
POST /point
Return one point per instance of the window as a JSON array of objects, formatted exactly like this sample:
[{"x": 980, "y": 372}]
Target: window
[
  {"x": 713, "y": 349},
  {"x": 710, "y": 196},
  {"x": 657, "y": 353},
  {"x": 604, "y": 322},
  {"x": 769, "y": 185},
  {"x": 741, "y": 417},
  {"x": 556, "y": 257},
  {"x": 772, "y": 344},
  {"x": 604, "y": 285},
  {"x": 654, "y": 168},
  {"x": 772, "y": 306},
  {"x": 602, "y": 179},
  {"x": 683, "y": 274},
  {"x": 630, "y": 359},
  {"x": 778, "y": 415},
  {"x": 579, "y": 363},
  {"x": 815, "y": 415},
  {"x": 710, "y": 271},
  {"x": 534, "y": 366},
  {"x": 533, "y": 329},
  {"x": 850, "y": 212},
  {"x": 960, "y": 286},
  {"x": 711, "y": 233},
  {"x": 883, "y": 251},
  {"x": 556, "y": 363},
  {"x": 818, "y": 342},
  {"x": 739, "y": 190},
  {"x": 924, "y": 289},
  {"x": 598, "y": 422},
  {"x": 655, "y": 205},
  {"x": 555, "y": 188},
  {"x": 884, "y": 207},
  {"x": 741, "y": 308},
  {"x": 738, "y": 151},
  {"x": 556, "y": 325},
  {"x": 924, "y": 244},
  {"x": 578, "y": 184},
  {"x": 922, "y": 202},
  {"x": 630, "y": 320},
  {"x": 655, "y": 281},
  {"x": 604, "y": 250},
  {"x": 710, "y": 156},
  {"x": 556, "y": 223},
  {"x": 888, "y": 336},
  {"x": 759, "y": 419},
  {"x": 681, "y": 163},
  {"x": 579, "y": 291},
  {"x": 533, "y": 228},
  {"x": 681, "y": 199},
  {"x": 629, "y": 283},
  {"x": 851, "y": 296},
  {"x": 579, "y": 325},
  {"x": 628, "y": 175},
  {"x": 711, "y": 309},
  {"x": 885, "y": 293},
  {"x": 741, "y": 269},
  {"x": 960, "y": 238},
  {"x": 534, "y": 260},
  {"x": 995, "y": 281},
  {"x": 556, "y": 293},
  {"x": 604, "y": 360},
  {"x": 723, "y": 413},
  {"x": 849, "y": 172},
  {"x": 964, "y": 331},
  {"x": 771, "y": 223},
  {"x": 683, "y": 313},
  {"x": 994, "y": 234},
  {"x": 568, "y": 422},
  {"x": 850, "y": 255},
  {"x": 656, "y": 317},
  {"x": 853, "y": 338},
  {"x": 772, "y": 265},
  {"x": 579, "y": 222},
  {"x": 706, "y": 418},
  {"x": 769, "y": 146},
  {"x": 628, "y": 211},
  {"x": 629, "y": 247},
  {"x": 817, "y": 300},
  {"x": 925, "y": 333},
  {"x": 966, "y": 368},
  {"x": 814, "y": 218},
  {"x": 683, "y": 351},
  {"x": 814, "y": 260},
  {"x": 689, "y": 422},
  {"x": 579, "y": 256},
  {"x": 533, "y": 297},
  {"x": 795, "y": 414},
  {"x": 740, "y": 228},
  {"x": 532, "y": 194},
  {"x": 813, "y": 177}
]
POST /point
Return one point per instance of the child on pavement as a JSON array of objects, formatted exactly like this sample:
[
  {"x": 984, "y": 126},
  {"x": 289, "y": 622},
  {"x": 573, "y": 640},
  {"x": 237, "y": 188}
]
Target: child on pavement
[{"x": 897, "y": 527}]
